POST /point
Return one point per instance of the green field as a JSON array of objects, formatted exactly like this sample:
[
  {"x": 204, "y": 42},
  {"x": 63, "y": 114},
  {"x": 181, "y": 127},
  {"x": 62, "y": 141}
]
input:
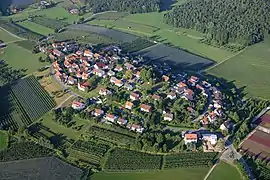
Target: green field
[
  {"x": 6, "y": 37},
  {"x": 151, "y": 24},
  {"x": 3, "y": 140},
  {"x": 224, "y": 171},
  {"x": 249, "y": 69},
  {"x": 36, "y": 28},
  {"x": 21, "y": 58},
  {"x": 174, "y": 174}
]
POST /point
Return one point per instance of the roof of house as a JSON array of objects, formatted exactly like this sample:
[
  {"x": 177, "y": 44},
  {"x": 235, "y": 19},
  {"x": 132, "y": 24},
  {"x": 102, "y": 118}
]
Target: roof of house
[
  {"x": 146, "y": 107},
  {"x": 191, "y": 136},
  {"x": 134, "y": 95},
  {"x": 98, "y": 111},
  {"x": 129, "y": 104},
  {"x": 156, "y": 97}
]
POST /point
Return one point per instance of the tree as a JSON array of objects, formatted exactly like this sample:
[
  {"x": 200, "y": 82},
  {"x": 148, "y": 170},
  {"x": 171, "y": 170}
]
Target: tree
[{"x": 128, "y": 74}]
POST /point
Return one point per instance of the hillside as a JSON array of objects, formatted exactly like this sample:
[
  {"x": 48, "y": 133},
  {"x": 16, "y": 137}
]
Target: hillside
[
  {"x": 132, "y": 6},
  {"x": 243, "y": 22}
]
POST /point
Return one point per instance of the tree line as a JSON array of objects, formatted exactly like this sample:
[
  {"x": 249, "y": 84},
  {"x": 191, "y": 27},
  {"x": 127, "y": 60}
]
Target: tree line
[
  {"x": 244, "y": 22},
  {"x": 132, "y": 6}
]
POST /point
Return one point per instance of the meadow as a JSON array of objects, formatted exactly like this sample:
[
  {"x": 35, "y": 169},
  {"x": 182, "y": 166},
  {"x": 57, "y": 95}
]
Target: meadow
[
  {"x": 36, "y": 28},
  {"x": 6, "y": 37},
  {"x": 152, "y": 25},
  {"x": 183, "y": 174},
  {"x": 224, "y": 171},
  {"x": 250, "y": 69},
  {"x": 22, "y": 59}
]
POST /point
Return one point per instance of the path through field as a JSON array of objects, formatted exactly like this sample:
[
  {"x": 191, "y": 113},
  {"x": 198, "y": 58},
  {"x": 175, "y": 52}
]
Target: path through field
[{"x": 210, "y": 171}]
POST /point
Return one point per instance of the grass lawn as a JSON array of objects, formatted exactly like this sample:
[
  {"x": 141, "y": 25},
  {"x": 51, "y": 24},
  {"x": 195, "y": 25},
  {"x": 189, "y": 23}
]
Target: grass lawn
[
  {"x": 36, "y": 28},
  {"x": 151, "y": 24},
  {"x": 224, "y": 171},
  {"x": 20, "y": 58},
  {"x": 249, "y": 69},
  {"x": 181, "y": 174},
  {"x": 68, "y": 132},
  {"x": 6, "y": 37},
  {"x": 3, "y": 140}
]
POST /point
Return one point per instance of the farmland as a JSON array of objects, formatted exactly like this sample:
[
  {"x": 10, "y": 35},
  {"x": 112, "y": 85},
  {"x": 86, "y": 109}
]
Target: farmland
[
  {"x": 3, "y": 140},
  {"x": 224, "y": 171},
  {"x": 40, "y": 168},
  {"x": 127, "y": 160},
  {"x": 6, "y": 37},
  {"x": 172, "y": 174},
  {"x": 151, "y": 24},
  {"x": 35, "y": 27},
  {"x": 189, "y": 160},
  {"x": 49, "y": 23},
  {"x": 29, "y": 45},
  {"x": 22, "y": 59},
  {"x": 18, "y": 109},
  {"x": 250, "y": 70},
  {"x": 111, "y": 135},
  {"x": 94, "y": 151}
]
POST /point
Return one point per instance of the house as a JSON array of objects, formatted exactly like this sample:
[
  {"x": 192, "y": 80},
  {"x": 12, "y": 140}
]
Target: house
[
  {"x": 84, "y": 86},
  {"x": 111, "y": 73},
  {"x": 171, "y": 95},
  {"x": 99, "y": 72},
  {"x": 100, "y": 65},
  {"x": 79, "y": 75},
  {"x": 58, "y": 53},
  {"x": 181, "y": 85},
  {"x": 217, "y": 104},
  {"x": 199, "y": 87},
  {"x": 118, "y": 68},
  {"x": 67, "y": 64},
  {"x": 52, "y": 57},
  {"x": 74, "y": 66},
  {"x": 74, "y": 11},
  {"x": 206, "y": 84},
  {"x": 118, "y": 83},
  {"x": 129, "y": 66},
  {"x": 129, "y": 105},
  {"x": 137, "y": 128},
  {"x": 193, "y": 80},
  {"x": 98, "y": 112},
  {"x": 134, "y": 96},
  {"x": 71, "y": 80},
  {"x": 165, "y": 78},
  {"x": 87, "y": 53},
  {"x": 137, "y": 74},
  {"x": 77, "y": 105},
  {"x": 226, "y": 126},
  {"x": 190, "y": 138},
  {"x": 168, "y": 117},
  {"x": 217, "y": 95},
  {"x": 85, "y": 76},
  {"x": 145, "y": 108},
  {"x": 212, "y": 138},
  {"x": 104, "y": 92},
  {"x": 129, "y": 86},
  {"x": 113, "y": 80},
  {"x": 156, "y": 97},
  {"x": 110, "y": 117},
  {"x": 212, "y": 116},
  {"x": 79, "y": 53},
  {"x": 188, "y": 95},
  {"x": 122, "y": 121}
]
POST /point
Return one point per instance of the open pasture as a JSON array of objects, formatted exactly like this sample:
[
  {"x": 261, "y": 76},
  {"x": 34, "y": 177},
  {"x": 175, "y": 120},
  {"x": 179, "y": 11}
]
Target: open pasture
[
  {"x": 224, "y": 171},
  {"x": 35, "y": 27},
  {"x": 250, "y": 69}
]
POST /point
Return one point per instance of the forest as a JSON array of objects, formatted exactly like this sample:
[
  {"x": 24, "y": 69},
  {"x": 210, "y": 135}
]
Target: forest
[
  {"x": 243, "y": 22},
  {"x": 132, "y": 6}
]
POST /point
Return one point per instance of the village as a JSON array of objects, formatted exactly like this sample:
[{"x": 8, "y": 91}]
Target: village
[{"x": 129, "y": 92}]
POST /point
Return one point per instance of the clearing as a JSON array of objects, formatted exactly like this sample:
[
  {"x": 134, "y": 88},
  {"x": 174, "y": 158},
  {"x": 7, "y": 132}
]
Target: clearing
[
  {"x": 224, "y": 171},
  {"x": 184, "y": 173},
  {"x": 249, "y": 69},
  {"x": 3, "y": 140},
  {"x": 22, "y": 59},
  {"x": 152, "y": 25}
]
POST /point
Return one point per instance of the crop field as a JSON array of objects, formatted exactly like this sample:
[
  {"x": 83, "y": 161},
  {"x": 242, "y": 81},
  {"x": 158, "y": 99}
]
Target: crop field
[
  {"x": 224, "y": 171},
  {"x": 49, "y": 23},
  {"x": 189, "y": 160},
  {"x": 37, "y": 28},
  {"x": 127, "y": 160},
  {"x": 6, "y": 37},
  {"x": 94, "y": 151},
  {"x": 29, "y": 45},
  {"x": 136, "y": 45},
  {"x": 176, "y": 57},
  {"x": 114, "y": 34},
  {"x": 39, "y": 168},
  {"x": 20, "y": 110},
  {"x": 110, "y": 15},
  {"x": 3, "y": 140},
  {"x": 250, "y": 69},
  {"x": 112, "y": 136},
  {"x": 172, "y": 174},
  {"x": 152, "y": 25},
  {"x": 22, "y": 59},
  {"x": 21, "y": 31}
]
